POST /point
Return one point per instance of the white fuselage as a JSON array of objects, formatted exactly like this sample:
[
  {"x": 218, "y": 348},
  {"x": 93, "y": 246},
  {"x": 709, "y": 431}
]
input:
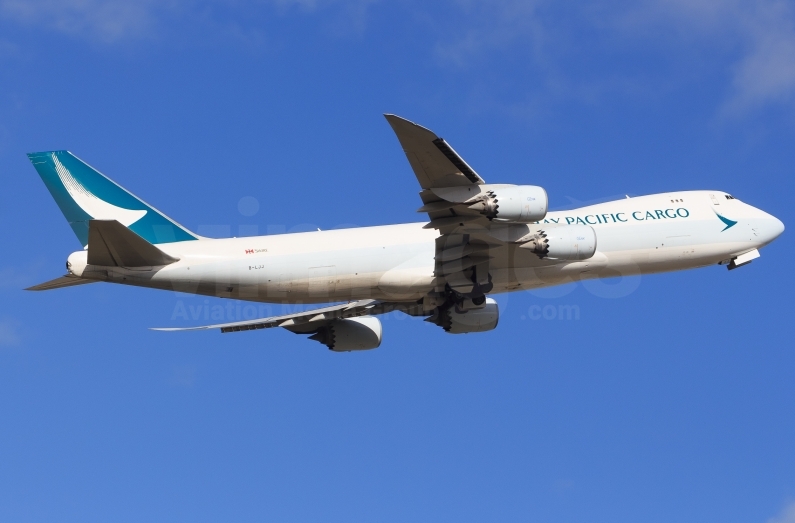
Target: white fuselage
[{"x": 648, "y": 234}]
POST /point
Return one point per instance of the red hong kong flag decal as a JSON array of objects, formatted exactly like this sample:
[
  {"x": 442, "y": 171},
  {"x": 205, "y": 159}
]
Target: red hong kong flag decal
[{"x": 249, "y": 251}]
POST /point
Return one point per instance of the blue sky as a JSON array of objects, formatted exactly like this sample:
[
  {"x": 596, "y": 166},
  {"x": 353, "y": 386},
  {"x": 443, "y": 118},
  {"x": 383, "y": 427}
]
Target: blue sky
[{"x": 664, "y": 398}]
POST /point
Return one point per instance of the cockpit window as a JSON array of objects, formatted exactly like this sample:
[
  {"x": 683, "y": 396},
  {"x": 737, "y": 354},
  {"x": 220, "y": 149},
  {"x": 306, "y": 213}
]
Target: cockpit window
[{"x": 730, "y": 197}]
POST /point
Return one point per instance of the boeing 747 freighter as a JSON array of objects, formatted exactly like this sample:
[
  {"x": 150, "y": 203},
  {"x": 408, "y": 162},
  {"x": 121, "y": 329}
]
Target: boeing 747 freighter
[{"x": 480, "y": 239}]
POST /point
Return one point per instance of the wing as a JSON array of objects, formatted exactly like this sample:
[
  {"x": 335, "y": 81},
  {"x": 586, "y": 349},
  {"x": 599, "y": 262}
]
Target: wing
[
  {"x": 343, "y": 327},
  {"x": 449, "y": 187},
  {"x": 305, "y": 322},
  {"x": 435, "y": 163}
]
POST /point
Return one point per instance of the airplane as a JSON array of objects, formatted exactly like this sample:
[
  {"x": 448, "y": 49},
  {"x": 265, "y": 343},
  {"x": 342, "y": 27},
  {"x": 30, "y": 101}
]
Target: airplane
[{"x": 479, "y": 240}]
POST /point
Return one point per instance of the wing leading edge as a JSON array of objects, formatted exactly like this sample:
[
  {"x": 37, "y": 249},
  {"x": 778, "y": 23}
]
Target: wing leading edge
[
  {"x": 434, "y": 161},
  {"x": 342, "y": 328},
  {"x": 305, "y": 322},
  {"x": 449, "y": 188}
]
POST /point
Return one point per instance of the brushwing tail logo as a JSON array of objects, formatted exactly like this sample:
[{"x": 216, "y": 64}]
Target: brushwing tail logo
[
  {"x": 729, "y": 223},
  {"x": 91, "y": 205}
]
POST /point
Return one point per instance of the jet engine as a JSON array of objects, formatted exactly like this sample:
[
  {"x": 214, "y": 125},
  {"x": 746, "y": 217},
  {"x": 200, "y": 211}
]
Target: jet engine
[
  {"x": 474, "y": 320},
  {"x": 349, "y": 334},
  {"x": 562, "y": 242},
  {"x": 513, "y": 203}
]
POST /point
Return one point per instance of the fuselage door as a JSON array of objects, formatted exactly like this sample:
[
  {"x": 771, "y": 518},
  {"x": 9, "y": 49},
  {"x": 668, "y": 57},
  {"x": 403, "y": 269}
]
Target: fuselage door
[{"x": 715, "y": 200}]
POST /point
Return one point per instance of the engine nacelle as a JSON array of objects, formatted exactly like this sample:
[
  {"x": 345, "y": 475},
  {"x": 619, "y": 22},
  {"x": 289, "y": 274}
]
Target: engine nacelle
[
  {"x": 475, "y": 320},
  {"x": 562, "y": 242},
  {"x": 349, "y": 334},
  {"x": 515, "y": 204}
]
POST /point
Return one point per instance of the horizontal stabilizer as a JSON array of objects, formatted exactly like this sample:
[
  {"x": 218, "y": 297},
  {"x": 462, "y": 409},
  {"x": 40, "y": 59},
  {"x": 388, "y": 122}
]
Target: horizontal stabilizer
[
  {"x": 112, "y": 244},
  {"x": 64, "y": 281}
]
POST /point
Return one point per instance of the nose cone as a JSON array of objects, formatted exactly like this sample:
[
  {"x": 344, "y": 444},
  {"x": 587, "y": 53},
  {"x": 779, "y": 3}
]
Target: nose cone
[{"x": 772, "y": 229}]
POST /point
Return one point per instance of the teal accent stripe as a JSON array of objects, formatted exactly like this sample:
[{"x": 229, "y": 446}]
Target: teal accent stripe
[{"x": 90, "y": 192}]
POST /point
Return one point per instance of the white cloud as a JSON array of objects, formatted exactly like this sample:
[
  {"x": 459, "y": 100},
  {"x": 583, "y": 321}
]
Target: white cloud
[
  {"x": 486, "y": 26},
  {"x": 766, "y": 72},
  {"x": 113, "y": 21},
  {"x": 9, "y": 335},
  {"x": 8, "y": 49},
  {"x": 105, "y": 20},
  {"x": 785, "y": 516},
  {"x": 184, "y": 376},
  {"x": 753, "y": 39},
  {"x": 760, "y": 33},
  {"x": 13, "y": 278},
  {"x": 10, "y": 277}
]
